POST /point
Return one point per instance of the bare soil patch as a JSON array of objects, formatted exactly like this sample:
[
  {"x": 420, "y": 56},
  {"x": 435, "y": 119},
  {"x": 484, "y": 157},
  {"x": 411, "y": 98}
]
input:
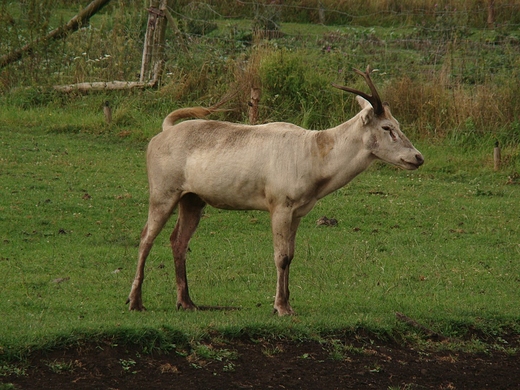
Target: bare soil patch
[{"x": 244, "y": 364}]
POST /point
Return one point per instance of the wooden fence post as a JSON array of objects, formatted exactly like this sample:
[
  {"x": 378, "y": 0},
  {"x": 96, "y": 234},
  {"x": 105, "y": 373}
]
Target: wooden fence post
[
  {"x": 152, "y": 64},
  {"x": 496, "y": 156},
  {"x": 321, "y": 13},
  {"x": 148, "y": 40},
  {"x": 107, "y": 111},
  {"x": 159, "y": 42},
  {"x": 253, "y": 105},
  {"x": 491, "y": 14}
]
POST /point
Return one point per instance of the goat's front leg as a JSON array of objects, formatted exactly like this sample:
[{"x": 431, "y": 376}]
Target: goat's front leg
[{"x": 284, "y": 228}]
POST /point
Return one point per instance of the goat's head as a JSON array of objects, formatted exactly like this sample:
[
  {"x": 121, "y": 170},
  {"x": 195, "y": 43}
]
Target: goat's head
[{"x": 383, "y": 136}]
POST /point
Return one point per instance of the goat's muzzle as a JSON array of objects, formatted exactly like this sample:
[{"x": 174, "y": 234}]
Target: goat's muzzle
[{"x": 412, "y": 165}]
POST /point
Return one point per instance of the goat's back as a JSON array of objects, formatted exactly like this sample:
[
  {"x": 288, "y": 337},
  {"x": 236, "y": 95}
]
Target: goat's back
[{"x": 230, "y": 165}]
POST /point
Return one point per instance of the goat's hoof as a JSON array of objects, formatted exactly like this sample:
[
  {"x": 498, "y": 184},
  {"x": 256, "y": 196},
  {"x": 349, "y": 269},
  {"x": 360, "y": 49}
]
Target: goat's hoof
[
  {"x": 187, "y": 306},
  {"x": 137, "y": 306},
  {"x": 284, "y": 312}
]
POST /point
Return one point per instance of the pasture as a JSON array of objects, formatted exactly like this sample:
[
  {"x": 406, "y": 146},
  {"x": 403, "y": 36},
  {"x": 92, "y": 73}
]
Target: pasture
[{"x": 439, "y": 245}]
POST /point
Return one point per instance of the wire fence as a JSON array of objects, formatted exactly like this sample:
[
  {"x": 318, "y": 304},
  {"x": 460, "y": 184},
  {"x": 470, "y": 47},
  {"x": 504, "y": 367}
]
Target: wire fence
[
  {"x": 483, "y": 13},
  {"x": 478, "y": 43},
  {"x": 115, "y": 37},
  {"x": 446, "y": 61}
]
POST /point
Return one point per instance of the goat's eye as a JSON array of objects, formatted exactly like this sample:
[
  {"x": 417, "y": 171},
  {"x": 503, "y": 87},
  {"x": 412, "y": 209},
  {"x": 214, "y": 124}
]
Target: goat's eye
[{"x": 387, "y": 128}]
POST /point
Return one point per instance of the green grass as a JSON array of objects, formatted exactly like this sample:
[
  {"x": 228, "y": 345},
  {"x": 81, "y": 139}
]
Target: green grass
[{"x": 440, "y": 244}]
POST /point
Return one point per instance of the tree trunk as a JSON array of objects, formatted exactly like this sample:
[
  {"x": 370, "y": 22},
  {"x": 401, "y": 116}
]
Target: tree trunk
[{"x": 61, "y": 32}]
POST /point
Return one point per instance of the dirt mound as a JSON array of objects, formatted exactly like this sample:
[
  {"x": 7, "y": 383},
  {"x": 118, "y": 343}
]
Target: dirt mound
[{"x": 244, "y": 364}]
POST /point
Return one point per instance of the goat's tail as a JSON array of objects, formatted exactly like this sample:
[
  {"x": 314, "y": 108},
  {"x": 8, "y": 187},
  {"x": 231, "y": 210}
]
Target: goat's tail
[{"x": 195, "y": 112}]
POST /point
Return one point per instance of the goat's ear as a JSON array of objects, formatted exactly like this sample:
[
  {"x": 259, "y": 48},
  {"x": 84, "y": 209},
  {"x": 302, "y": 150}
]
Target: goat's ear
[
  {"x": 367, "y": 113},
  {"x": 363, "y": 103}
]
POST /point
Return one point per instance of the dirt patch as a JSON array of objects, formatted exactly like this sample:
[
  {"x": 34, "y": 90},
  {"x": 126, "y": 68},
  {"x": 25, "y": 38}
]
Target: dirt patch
[{"x": 245, "y": 364}]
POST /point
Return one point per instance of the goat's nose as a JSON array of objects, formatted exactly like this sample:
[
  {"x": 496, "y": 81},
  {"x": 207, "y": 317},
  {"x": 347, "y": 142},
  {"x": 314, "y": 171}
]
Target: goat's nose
[{"x": 420, "y": 159}]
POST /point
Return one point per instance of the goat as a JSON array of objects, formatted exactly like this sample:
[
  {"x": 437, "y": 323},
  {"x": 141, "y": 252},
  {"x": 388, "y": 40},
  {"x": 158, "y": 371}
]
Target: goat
[{"x": 276, "y": 167}]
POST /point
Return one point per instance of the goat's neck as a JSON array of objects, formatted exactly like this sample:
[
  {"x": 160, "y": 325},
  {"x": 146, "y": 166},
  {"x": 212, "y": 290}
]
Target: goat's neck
[{"x": 347, "y": 158}]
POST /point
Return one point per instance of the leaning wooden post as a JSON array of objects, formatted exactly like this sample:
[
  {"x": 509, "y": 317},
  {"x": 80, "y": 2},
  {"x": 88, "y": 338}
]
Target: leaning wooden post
[
  {"x": 496, "y": 156},
  {"x": 153, "y": 12},
  {"x": 159, "y": 42},
  {"x": 491, "y": 14},
  {"x": 253, "y": 105}
]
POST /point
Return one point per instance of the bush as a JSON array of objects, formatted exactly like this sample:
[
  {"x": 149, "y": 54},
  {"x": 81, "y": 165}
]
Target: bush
[{"x": 293, "y": 87}]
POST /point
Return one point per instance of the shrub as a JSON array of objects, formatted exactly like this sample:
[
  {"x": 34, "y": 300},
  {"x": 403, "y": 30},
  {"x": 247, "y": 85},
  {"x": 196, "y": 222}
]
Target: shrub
[{"x": 293, "y": 87}]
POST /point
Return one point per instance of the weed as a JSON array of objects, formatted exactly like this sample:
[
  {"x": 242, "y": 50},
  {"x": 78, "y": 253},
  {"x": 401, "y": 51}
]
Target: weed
[
  {"x": 339, "y": 351},
  {"x": 60, "y": 366},
  {"x": 272, "y": 350},
  {"x": 12, "y": 369},
  {"x": 127, "y": 365},
  {"x": 229, "y": 367},
  {"x": 204, "y": 351}
]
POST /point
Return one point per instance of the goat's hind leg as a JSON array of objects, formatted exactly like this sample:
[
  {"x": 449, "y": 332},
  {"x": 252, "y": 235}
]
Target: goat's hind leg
[
  {"x": 284, "y": 227},
  {"x": 158, "y": 215},
  {"x": 190, "y": 212}
]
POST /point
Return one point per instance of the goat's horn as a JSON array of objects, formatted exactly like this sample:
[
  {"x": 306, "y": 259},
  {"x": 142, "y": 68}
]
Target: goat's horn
[{"x": 374, "y": 99}]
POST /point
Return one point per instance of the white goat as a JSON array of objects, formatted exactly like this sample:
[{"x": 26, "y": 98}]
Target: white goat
[{"x": 276, "y": 167}]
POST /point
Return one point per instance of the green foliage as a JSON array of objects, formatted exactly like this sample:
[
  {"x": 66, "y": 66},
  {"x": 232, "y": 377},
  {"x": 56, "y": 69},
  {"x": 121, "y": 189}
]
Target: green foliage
[{"x": 290, "y": 84}]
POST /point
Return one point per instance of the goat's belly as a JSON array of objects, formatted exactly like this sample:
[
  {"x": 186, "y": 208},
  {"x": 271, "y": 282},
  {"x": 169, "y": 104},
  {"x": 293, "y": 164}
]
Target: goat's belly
[
  {"x": 234, "y": 185},
  {"x": 219, "y": 204},
  {"x": 234, "y": 202},
  {"x": 230, "y": 195}
]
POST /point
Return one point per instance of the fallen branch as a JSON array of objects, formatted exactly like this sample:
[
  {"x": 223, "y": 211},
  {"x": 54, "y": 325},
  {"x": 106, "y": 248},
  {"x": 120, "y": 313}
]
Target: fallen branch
[
  {"x": 61, "y": 32},
  {"x": 105, "y": 86}
]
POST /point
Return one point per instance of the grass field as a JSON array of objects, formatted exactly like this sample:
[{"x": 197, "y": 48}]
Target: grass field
[{"x": 440, "y": 245}]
